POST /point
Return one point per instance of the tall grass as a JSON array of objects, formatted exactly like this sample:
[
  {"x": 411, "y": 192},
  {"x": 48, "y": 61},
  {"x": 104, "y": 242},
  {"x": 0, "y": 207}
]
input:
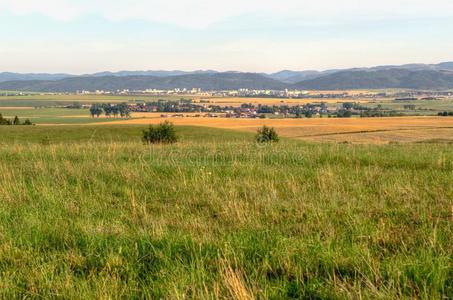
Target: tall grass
[{"x": 225, "y": 219}]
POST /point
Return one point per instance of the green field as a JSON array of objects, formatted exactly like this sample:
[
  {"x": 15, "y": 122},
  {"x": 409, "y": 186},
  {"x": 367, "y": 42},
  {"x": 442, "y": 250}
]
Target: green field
[
  {"x": 423, "y": 107},
  {"x": 20, "y": 135},
  {"x": 55, "y": 116},
  {"x": 92, "y": 212},
  {"x": 61, "y": 100}
]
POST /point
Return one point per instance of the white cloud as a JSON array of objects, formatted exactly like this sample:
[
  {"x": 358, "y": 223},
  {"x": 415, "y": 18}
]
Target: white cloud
[
  {"x": 57, "y": 9},
  {"x": 111, "y": 48},
  {"x": 202, "y": 13}
]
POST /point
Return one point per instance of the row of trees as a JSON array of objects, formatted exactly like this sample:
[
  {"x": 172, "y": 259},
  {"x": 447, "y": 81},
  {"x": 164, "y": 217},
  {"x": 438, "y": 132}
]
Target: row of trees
[
  {"x": 445, "y": 114},
  {"x": 15, "y": 121},
  {"x": 116, "y": 110},
  {"x": 179, "y": 106}
]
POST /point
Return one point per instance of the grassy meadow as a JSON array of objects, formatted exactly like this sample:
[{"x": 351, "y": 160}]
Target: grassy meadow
[
  {"x": 60, "y": 100},
  {"x": 92, "y": 212}
]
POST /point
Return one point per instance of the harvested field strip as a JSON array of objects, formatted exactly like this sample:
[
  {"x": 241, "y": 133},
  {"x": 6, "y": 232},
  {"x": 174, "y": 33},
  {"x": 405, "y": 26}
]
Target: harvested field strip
[
  {"x": 372, "y": 131},
  {"x": 334, "y": 122}
]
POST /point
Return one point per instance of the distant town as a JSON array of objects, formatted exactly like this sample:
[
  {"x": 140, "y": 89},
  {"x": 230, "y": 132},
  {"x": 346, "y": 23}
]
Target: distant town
[
  {"x": 284, "y": 94},
  {"x": 186, "y": 108},
  {"x": 295, "y": 94}
]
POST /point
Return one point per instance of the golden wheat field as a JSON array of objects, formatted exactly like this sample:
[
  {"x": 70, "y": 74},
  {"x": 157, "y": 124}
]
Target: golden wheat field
[{"x": 355, "y": 130}]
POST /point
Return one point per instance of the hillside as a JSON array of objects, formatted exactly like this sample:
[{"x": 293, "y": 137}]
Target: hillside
[
  {"x": 149, "y": 73},
  {"x": 378, "y": 79},
  {"x": 9, "y": 76},
  {"x": 408, "y": 76},
  {"x": 217, "y": 81},
  {"x": 292, "y": 77}
]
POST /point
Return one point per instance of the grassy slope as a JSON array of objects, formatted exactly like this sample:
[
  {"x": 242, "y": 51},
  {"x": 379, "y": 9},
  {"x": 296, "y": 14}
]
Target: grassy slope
[
  {"x": 216, "y": 216},
  {"x": 112, "y": 133}
]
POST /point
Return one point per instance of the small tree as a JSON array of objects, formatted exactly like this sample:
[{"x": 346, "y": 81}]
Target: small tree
[
  {"x": 16, "y": 121},
  {"x": 348, "y": 105},
  {"x": 4, "y": 121},
  {"x": 267, "y": 135},
  {"x": 28, "y": 122},
  {"x": 107, "y": 110},
  {"x": 115, "y": 111},
  {"x": 124, "y": 110},
  {"x": 95, "y": 110},
  {"x": 164, "y": 133}
]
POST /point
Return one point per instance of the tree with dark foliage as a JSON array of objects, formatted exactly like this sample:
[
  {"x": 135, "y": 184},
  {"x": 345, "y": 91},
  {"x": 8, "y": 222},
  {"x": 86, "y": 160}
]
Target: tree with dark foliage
[
  {"x": 267, "y": 135},
  {"x": 164, "y": 133}
]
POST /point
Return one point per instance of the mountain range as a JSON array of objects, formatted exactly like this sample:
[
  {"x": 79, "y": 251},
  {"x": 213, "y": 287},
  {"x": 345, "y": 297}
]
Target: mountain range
[{"x": 411, "y": 76}]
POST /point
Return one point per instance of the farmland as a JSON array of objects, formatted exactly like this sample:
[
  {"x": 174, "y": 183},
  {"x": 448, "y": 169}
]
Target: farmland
[
  {"x": 58, "y": 100},
  {"x": 47, "y": 110},
  {"x": 355, "y": 130},
  {"x": 338, "y": 209},
  {"x": 363, "y": 130}
]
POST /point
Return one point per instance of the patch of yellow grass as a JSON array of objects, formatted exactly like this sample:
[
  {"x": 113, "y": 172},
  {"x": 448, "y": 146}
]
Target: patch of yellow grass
[{"x": 235, "y": 284}]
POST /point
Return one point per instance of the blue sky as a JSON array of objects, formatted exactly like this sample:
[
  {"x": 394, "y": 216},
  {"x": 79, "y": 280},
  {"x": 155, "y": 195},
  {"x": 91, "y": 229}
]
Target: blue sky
[{"x": 245, "y": 35}]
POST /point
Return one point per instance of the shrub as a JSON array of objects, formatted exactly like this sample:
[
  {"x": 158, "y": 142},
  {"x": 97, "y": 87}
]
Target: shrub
[
  {"x": 28, "y": 122},
  {"x": 267, "y": 135},
  {"x": 45, "y": 140},
  {"x": 344, "y": 113},
  {"x": 163, "y": 133},
  {"x": 4, "y": 121}
]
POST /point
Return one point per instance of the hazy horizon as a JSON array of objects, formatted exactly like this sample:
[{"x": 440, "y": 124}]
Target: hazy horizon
[
  {"x": 82, "y": 37},
  {"x": 210, "y": 69}
]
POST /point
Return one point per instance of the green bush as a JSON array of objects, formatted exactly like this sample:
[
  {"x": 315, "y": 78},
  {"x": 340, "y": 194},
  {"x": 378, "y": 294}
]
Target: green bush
[
  {"x": 4, "y": 121},
  {"x": 28, "y": 122},
  {"x": 163, "y": 133},
  {"x": 267, "y": 135},
  {"x": 15, "y": 121}
]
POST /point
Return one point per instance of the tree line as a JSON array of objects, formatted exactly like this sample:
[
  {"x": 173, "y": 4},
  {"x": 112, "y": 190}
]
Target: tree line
[
  {"x": 15, "y": 121},
  {"x": 116, "y": 110},
  {"x": 445, "y": 114}
]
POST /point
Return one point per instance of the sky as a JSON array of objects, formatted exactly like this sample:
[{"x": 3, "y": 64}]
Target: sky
[{"x": 86, "y": 36}]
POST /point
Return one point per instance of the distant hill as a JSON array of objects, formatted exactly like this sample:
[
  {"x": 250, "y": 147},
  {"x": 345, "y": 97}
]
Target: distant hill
[
  {"x": 8, "y": 76},
  {"x": 445, "y": 66},
  {"x": 150, "y": 73},
  {"x": 379, "y": 79},
  {"x": 413, "y": 76},
  {"x": 288, "y": 76},
  {"x": 217, "y": 81}
]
